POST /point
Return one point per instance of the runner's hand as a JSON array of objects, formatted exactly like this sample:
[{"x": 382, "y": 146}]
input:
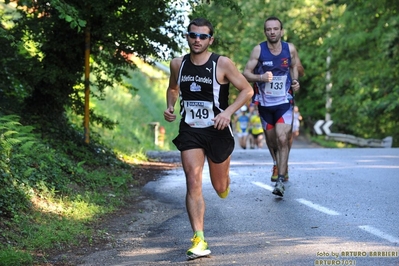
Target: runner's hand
[
  {"x": 268, "y": 76},
  {"x": 295, "y": 85},
  {"x": 221, "y": 121},
  {"x": 168, "y": 114}
]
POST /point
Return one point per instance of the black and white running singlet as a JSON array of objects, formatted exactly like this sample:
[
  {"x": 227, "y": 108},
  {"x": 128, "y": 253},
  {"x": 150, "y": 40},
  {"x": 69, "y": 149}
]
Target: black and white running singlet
[{"x": 202, "y": 97}]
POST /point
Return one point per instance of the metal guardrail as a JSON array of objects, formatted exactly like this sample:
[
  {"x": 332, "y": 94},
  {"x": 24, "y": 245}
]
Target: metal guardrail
[
  {"x": 323, "y": 127},
  {"x": 384, "y": 143}
]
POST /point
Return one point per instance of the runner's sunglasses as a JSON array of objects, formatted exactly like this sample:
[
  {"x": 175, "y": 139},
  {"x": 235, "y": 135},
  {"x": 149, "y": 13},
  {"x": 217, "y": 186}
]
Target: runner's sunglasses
[{"x": 202, "y": 36}]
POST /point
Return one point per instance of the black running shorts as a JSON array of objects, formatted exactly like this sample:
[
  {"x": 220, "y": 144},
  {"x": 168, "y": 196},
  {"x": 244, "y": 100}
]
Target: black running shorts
[{"x": 218, "y": 149}]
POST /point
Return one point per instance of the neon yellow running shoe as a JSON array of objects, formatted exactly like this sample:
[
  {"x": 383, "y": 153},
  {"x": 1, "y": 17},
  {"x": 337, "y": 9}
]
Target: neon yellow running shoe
[
  {"x": 198, "y": 249},
  {"x": 224, "y": 195}
]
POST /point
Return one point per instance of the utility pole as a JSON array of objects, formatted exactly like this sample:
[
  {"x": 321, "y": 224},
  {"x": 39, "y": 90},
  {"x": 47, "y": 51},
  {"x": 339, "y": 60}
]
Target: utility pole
[
  {"x": 87, "y": 86},
  {"x": 328, "y": 86}
]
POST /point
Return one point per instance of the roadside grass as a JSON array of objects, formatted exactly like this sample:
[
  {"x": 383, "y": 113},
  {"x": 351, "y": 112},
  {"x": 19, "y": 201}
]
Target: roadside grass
[
  {"x": 66, "y": 188},
  {"x": 134, "y": 111},
  {"x": 9, "y": 256},
  {"x": 56, "y": 222}
]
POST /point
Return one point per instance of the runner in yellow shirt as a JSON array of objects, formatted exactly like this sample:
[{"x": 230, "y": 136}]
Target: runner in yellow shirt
[{"x": 256, "y": 130}]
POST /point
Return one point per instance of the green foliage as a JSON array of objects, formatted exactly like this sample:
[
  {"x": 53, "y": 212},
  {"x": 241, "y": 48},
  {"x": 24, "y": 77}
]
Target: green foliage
[
  {"x": 28, "y": 167},
  {"x": 365, "y": 69},
  {"x": 133, "y": 111},
  {"x": 69, "y": 13},
  {"x": 50, "y": 190},
  {"x": 362, "y": 37},
  {"x": 57, "y": 223},
  {"x": 59, "y": 169},
  {"x": 46, "y": 234},
  {"x": 13, "y": 88},
  {"x": 14, "y": 192},
  {"x": 9, "y": 256},
  {"x": 50, "y": 37}
]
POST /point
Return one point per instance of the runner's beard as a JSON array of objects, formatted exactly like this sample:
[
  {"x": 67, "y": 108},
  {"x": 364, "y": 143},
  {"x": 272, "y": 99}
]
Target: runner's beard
[{"x": 195, "y": 50}]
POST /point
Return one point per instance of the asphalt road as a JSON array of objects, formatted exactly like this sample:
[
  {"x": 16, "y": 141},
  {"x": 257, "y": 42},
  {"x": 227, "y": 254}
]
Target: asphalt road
[{"x": 340, "y": 208}]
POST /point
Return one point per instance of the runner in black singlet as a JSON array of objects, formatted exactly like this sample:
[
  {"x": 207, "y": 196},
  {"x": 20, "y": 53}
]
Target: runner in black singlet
[{"x": 201, "y": 81}]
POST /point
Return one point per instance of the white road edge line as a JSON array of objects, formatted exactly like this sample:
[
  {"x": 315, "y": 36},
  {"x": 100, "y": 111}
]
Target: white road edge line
[
  {"x": 379, "y": 233},
  {"x": 260, "y": 184},
  {"x": 318, "y": 207}
]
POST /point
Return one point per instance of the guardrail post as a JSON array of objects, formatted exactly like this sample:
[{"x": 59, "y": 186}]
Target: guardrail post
[{"x": 154, "y": 131}]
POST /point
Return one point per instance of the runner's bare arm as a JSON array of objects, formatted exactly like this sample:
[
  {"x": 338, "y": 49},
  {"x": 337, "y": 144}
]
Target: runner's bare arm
[
  {"x": 294, "y": 67},
  {"x": 228, "y": 72},
  {"x": 172, "y": 93},
  {"x": 301, "y": 69},
  {"x": 250, "y": 66}
]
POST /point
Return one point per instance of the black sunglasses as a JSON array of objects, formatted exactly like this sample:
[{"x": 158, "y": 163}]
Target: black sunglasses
[{"x": 202, "y": 36}]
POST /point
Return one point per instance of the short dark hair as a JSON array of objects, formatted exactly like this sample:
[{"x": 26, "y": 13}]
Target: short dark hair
[
  {"x": 273, "y": 18},
  {"x": 199, "y": 22}
]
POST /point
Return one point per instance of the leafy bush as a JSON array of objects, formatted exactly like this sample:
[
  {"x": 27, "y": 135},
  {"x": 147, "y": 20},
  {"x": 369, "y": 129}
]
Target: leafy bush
[
  {"x": 51, "y": 187},
  {"x": 27, "y": 167},
  {"x": 13, "y": 192}
]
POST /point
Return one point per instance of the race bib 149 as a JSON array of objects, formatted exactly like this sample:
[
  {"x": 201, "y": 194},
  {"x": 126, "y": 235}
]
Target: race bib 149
[{"x": 199, "y": 113}]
